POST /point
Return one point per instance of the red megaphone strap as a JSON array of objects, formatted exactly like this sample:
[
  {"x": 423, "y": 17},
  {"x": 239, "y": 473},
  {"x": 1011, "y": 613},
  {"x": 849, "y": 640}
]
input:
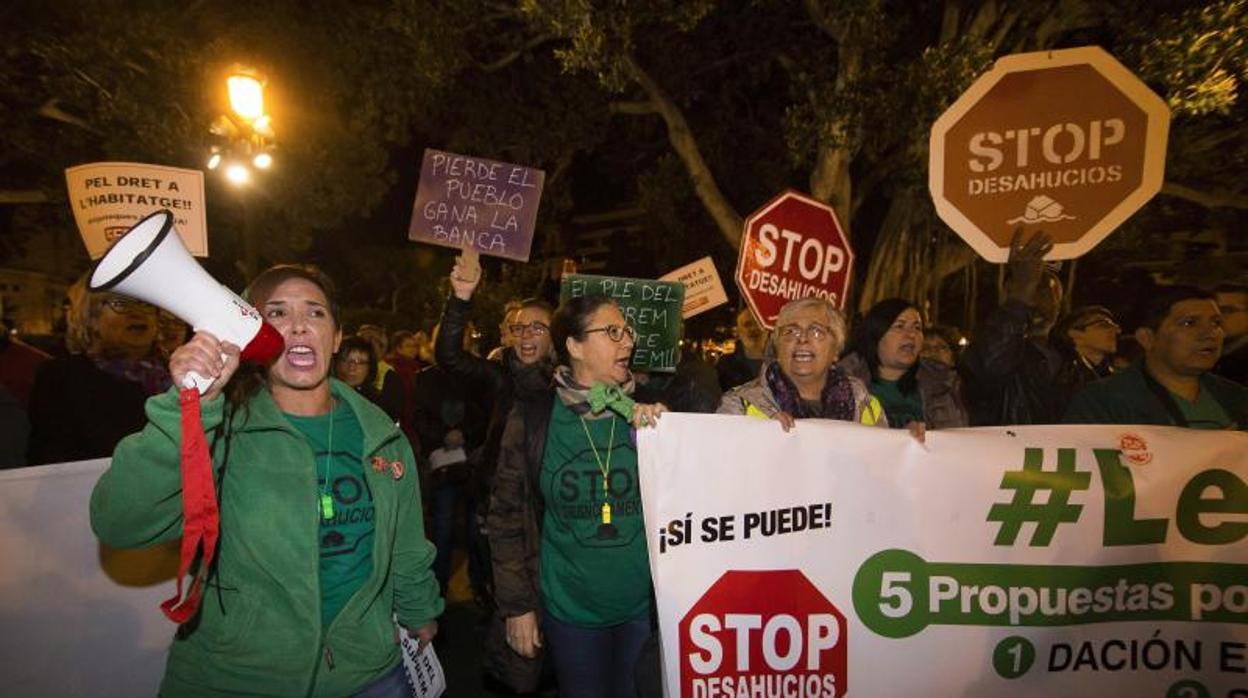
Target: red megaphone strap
[{"x": 200, "y": 516}]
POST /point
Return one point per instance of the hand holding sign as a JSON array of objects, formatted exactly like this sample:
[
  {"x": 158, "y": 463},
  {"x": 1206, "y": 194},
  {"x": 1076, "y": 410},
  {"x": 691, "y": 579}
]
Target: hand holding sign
[
  {"x": 466, "y": 274},
  {"x": 1026, "y": 264}
]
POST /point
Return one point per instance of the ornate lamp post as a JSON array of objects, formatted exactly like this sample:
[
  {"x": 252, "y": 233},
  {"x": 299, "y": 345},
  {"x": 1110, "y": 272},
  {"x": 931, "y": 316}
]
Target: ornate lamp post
[{"x": 243, "y": 143}]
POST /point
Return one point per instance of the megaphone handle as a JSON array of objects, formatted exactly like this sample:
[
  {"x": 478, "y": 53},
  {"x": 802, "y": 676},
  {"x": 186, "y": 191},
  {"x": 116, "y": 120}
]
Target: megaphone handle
[{"x": 198, "y": 382}]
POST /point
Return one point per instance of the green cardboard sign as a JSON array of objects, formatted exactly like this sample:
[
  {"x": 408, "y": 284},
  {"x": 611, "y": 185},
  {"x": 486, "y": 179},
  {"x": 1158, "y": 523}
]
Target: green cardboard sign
[{"x": 651, "y": 307}]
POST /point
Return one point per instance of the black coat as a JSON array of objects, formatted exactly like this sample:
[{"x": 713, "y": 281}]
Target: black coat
[
  {"x": 78, "y": 411},
  {"x": 1008, "y": 377},
  {"x": 500, "y": 380},
  {"x": 736, "y": 368}
]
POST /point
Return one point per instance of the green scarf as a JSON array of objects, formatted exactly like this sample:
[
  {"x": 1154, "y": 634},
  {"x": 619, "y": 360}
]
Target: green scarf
[{"x": 595, "y": 401}]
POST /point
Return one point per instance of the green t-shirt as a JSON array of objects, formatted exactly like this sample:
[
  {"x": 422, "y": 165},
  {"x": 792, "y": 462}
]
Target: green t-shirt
[
  {"x": 901, "y": 409},
  {"x": 1205, "y": 413},
  {"x": 347, "y": 537},
  {"x": 592, "y": 575}
]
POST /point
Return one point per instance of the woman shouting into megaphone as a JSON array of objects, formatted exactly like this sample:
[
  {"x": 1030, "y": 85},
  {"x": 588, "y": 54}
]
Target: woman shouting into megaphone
[{"x": 321, "y": 541}]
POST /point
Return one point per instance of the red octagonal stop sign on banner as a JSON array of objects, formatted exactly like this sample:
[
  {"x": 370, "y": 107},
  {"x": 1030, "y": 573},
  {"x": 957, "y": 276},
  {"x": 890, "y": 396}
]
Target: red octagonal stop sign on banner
[
  {"x": 770, "y": 633},
  {"x": 793, "y": 247}
]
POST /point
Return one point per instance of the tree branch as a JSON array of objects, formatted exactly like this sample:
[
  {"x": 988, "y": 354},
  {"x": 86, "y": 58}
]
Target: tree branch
[
  {"x": 635, "y": 108},
  {"x": 1208, "y": 199},
  {"x": 824, "y": 22},
  {"x": 515, "y": 55},
  {"x": 52, "y": 110},
  {"x": 561, "y": 166},
  {"x": 686, "y": 147}
]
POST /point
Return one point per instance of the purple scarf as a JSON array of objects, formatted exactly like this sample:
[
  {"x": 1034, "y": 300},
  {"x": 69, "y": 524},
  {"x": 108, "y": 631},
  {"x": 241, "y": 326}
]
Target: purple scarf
[
  {"x": 151, "y": 375},
  {"x": 836, "y": 402}
]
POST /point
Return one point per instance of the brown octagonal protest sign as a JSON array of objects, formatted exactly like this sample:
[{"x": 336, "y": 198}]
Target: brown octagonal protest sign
[{"x": 1069, "y": 142}]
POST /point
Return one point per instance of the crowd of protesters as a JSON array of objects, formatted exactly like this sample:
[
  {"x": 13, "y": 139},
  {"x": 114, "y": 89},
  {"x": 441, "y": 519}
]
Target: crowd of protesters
[{"x": 486, "y": 432}]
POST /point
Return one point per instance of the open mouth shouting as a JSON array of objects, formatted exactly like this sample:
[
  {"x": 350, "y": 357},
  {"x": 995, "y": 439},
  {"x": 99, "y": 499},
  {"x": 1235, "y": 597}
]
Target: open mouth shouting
[
  {"x": 803, "y": 356},
  {"x": 527, "y": 350},
  {"x": 301, "y": 357}
]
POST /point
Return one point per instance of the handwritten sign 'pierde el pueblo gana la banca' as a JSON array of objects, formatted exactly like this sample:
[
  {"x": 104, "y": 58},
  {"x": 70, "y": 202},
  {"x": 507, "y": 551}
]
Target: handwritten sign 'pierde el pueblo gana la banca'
[{"x": 464, "y": 201}]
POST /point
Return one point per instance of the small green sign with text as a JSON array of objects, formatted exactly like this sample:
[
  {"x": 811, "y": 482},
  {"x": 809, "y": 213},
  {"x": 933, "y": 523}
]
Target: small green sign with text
[{"x": 651, "y": 307}]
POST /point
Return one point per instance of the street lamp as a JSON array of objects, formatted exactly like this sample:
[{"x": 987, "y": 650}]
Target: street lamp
[
  {"x": 243, "y": 139},
  {"x": 244, "y": 134}
]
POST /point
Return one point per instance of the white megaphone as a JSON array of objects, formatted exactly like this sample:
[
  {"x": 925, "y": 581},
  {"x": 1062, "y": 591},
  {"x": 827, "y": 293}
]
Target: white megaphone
[{"x": 150, "y": 263}]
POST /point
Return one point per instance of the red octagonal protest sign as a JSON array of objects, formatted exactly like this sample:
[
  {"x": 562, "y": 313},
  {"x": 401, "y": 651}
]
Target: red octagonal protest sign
[
  {"x": 1068, "y": 141},
  {"x": 793, "y": 247},
  {"x": 770, "y": 633}
]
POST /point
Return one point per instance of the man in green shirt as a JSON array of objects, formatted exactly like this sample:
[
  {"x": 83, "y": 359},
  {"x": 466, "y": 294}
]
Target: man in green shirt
[{"x": 1182, "y": 335}]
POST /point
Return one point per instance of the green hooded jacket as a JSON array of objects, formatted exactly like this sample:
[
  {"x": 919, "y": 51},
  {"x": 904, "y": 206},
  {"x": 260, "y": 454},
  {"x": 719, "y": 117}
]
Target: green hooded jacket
[{"x": 259, "y": 628}]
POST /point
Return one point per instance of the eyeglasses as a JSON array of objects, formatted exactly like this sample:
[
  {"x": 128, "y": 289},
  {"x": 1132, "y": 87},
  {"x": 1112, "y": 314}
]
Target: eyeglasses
[
  {"x": 128, "y": 306},
  {"x": 539, "y": 329},
  {"x": 793, "y": 333},
  {"x": 616, "y": 332}
]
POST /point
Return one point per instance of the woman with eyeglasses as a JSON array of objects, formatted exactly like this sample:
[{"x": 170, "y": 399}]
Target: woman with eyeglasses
[
  {"x": 81, "y": 405},
  {"x": 886, "y": 354},
  {"x": 570, "y": 568},
  {"x": 356, "y": 365},
  {"x": 524, "y": 368},
  {"x": 799, "y": 378}
]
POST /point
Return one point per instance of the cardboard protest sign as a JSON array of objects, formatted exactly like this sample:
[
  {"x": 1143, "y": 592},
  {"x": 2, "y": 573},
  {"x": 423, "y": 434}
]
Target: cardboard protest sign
[
  {"x": 1069, "y": 141},
  {"x": 464, "y": 201},
  {"x": 108, "y": 198},
  {"x": 652, "y": 307},
  {"x": 703, "y": 289},
  {"x": 1035, "y": 561}
]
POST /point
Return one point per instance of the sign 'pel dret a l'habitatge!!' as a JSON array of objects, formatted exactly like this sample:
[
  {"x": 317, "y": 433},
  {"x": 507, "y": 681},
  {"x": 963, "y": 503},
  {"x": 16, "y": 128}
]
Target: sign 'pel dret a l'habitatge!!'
[
  {"x": 1069, "y": 142},
  {"x": 109, "y": 198}
]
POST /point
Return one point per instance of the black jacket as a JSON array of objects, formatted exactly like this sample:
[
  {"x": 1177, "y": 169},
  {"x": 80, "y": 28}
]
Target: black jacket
[
  {"x": 79, "y": 411},
  {"x": 693, "y": 387},
  {"x": 1009, "y": 378},
  {"x": 736, "y": 368},
  {"x": 500, "y": 380}
]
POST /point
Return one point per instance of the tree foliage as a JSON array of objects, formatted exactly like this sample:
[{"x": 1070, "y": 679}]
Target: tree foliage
[{"x": 698, "y": 110}]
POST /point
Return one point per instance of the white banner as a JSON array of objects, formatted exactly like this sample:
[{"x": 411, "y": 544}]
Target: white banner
[
  {"x": 1028, "y": 561},
  {"x": 78, "y": 618}
]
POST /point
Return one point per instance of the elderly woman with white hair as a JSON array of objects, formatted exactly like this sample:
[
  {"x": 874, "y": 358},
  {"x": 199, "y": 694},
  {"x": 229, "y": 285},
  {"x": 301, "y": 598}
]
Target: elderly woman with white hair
[{"x": 800, "y": 379}]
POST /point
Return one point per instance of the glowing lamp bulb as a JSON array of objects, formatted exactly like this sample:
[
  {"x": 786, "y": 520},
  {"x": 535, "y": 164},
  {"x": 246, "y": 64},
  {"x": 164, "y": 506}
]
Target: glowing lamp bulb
[
  {"x": 237, "y": 174},
  {"x": 246, "y": 96}
]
